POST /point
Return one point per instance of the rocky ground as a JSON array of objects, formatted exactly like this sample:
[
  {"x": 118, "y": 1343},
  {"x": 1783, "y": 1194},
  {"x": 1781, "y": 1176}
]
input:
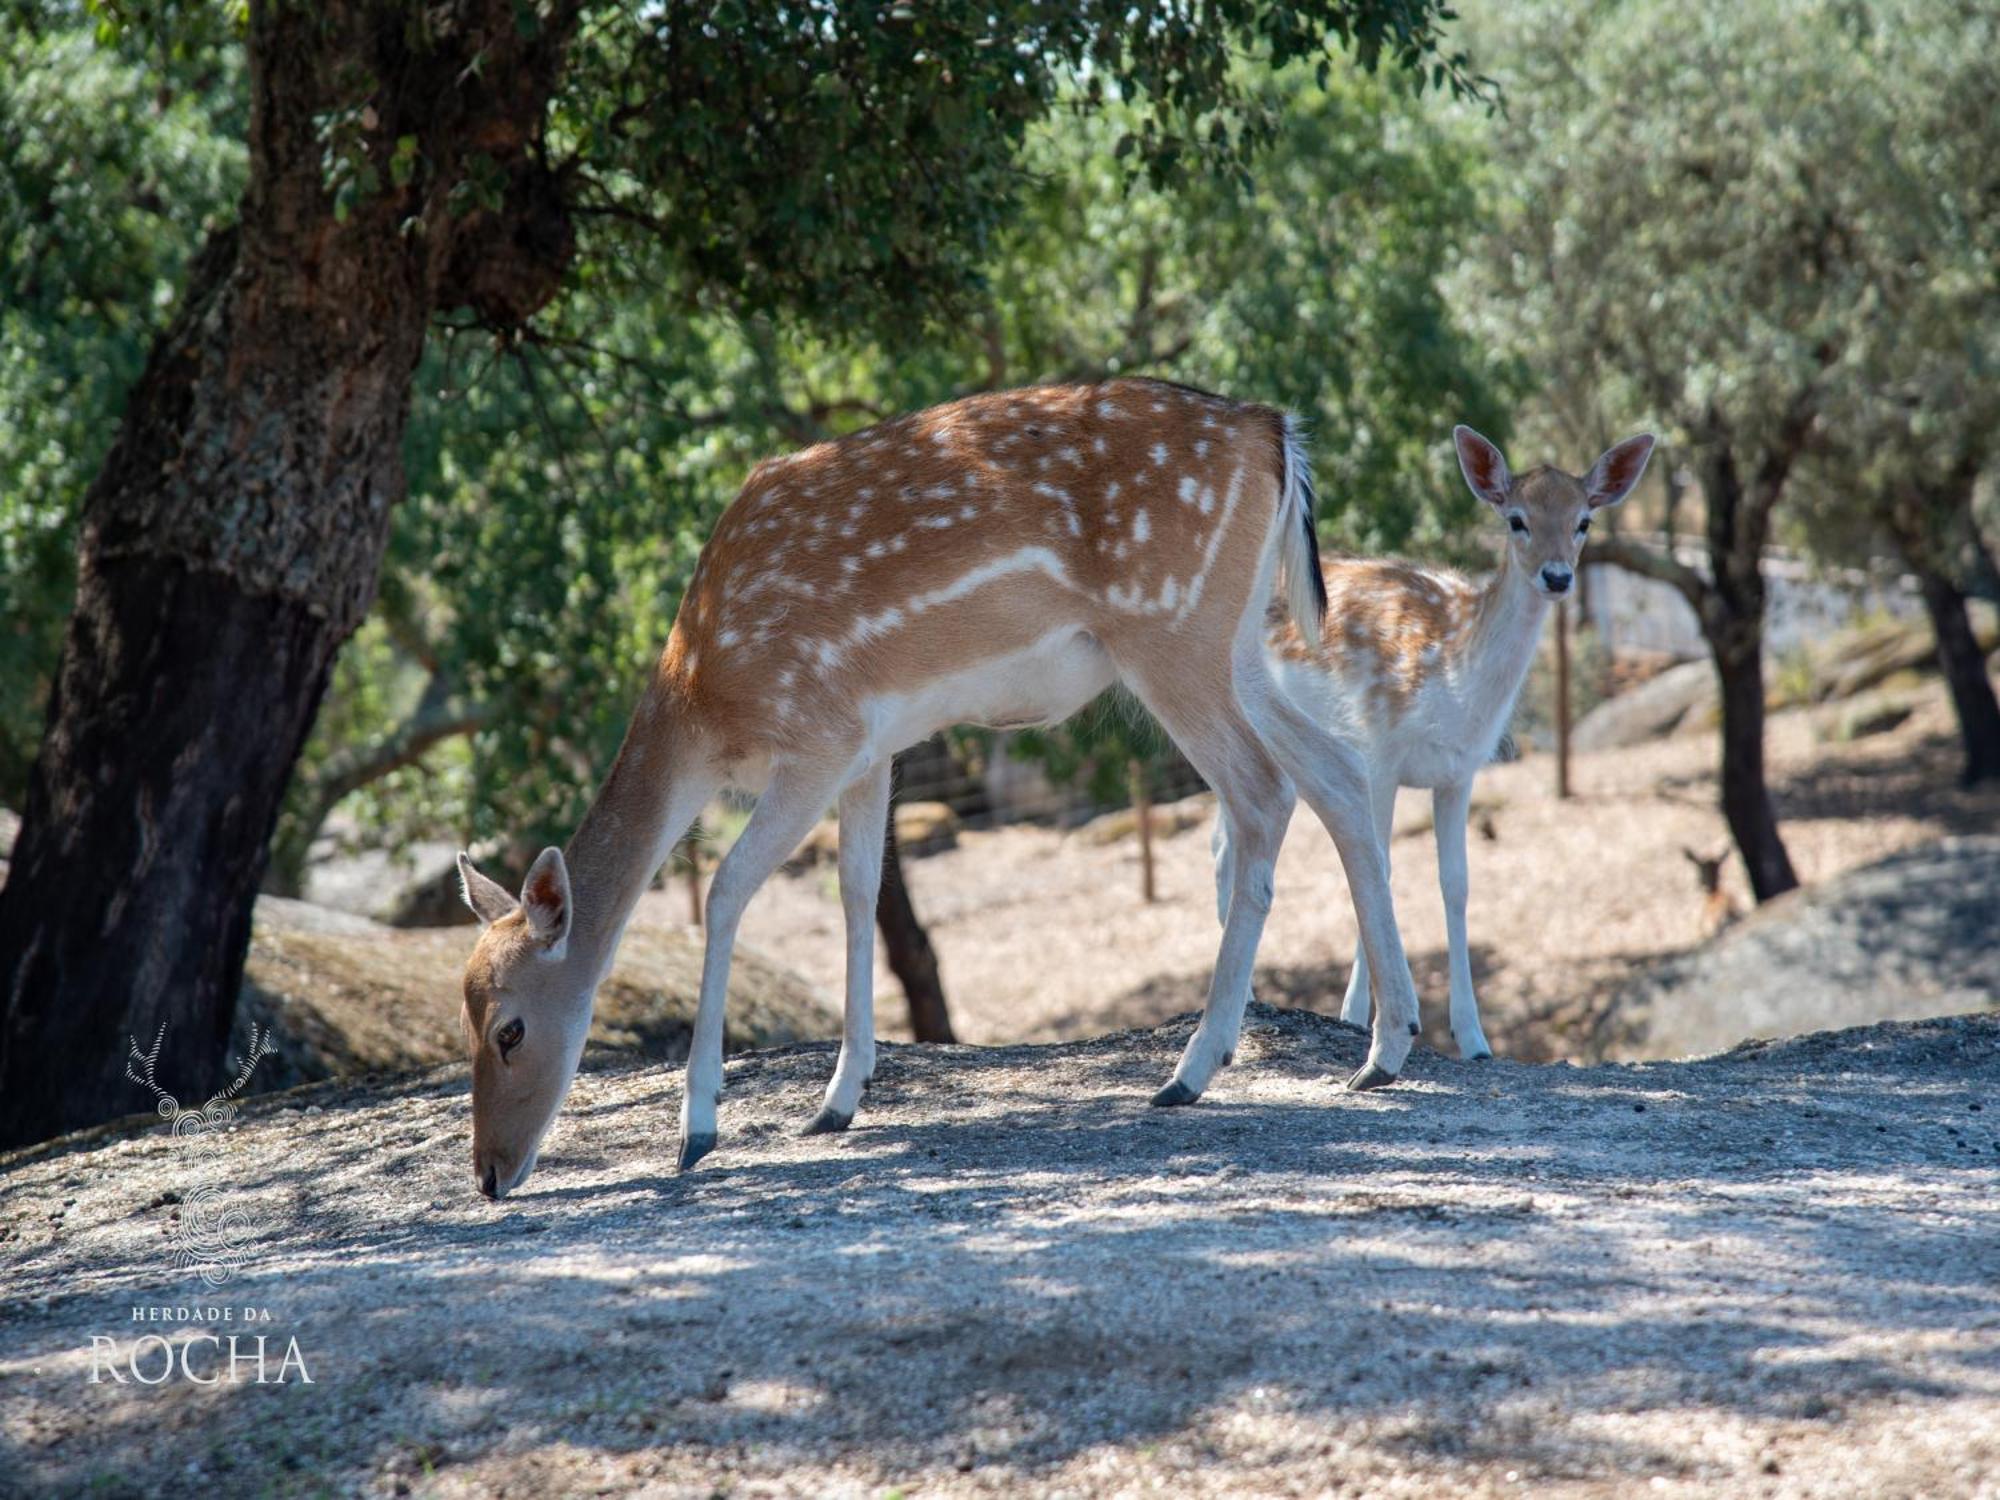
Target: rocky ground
[{"x": 1770, "y": 1273}]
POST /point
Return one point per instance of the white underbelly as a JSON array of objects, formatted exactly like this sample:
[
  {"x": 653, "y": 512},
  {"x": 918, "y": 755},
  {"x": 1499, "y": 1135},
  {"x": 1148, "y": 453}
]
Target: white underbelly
[{"x": 1043, "y": 684}]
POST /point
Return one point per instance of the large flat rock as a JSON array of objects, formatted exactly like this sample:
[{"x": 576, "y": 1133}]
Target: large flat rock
[
  {"x": 1914, "y": 935},
  {"x": 1770, "y": 1272}
]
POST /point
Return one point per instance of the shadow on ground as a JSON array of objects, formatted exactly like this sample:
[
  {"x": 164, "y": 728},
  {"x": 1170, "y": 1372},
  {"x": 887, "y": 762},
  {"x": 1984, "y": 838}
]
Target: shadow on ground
[{"x": 1012, "y": 1272}]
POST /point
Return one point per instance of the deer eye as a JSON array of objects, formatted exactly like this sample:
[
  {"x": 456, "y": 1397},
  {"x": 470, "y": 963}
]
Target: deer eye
[
  {"x": 508, "y": 1037},
  {"x": 1518, "y": 523}
]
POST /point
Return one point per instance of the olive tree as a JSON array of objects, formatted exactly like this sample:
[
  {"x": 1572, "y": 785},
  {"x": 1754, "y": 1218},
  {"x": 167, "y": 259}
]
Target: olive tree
[{"x": 482, "y": 159}]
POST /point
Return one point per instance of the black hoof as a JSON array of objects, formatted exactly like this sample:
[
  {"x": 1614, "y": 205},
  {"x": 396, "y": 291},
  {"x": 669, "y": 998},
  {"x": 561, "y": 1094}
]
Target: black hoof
[
  {"x": 829, "y": 1122},
  {"x": 1175, "y": 1093},
  {"x": 1374, "y": 1076},
  {"x": 1415, "y": 1029},
  {"x": 1479, "y": 1057},
  {"x": 695, "y": 1147}
]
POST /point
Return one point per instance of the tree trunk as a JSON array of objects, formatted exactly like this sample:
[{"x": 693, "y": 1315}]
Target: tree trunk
[
  {"x": 1964, "y": 668},
  {"x": 1733, "y": 621},
  {"x": 911, "y": 957},
  {"x": 230, "y": 543},
  {"x": 1746, "y": 798},
  {"x": 1935, "y": 531}
]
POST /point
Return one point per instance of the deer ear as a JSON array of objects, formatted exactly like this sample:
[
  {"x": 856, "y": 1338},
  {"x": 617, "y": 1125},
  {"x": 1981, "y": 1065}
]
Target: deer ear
[
  {"x": 1612, "y": 477},
  {"x": 1481, "y": 463},
  {"x": 545, "y": 900},
  {"x": 487, "y": 898}
]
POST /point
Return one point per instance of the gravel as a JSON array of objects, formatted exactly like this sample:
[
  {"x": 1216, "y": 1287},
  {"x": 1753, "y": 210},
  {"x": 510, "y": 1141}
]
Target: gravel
[{"x": 1771, "y": 1272}]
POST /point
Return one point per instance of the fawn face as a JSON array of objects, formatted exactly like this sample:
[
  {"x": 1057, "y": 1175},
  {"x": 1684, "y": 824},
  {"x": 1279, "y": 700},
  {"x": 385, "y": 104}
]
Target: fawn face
[
  {"x": 526, "y": 1013},
  {"x": 1547, "y": 511}
]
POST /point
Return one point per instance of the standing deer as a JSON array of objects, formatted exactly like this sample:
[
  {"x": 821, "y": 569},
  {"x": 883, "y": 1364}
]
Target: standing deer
[
  {"x": 1418, "y": 668},
  {"x": 999, "y": 560}
]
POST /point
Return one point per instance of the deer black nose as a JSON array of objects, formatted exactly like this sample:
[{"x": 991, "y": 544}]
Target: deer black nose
[
  {"x": 490, "y": 1183},
  {"x": 1556, "y": 580}
]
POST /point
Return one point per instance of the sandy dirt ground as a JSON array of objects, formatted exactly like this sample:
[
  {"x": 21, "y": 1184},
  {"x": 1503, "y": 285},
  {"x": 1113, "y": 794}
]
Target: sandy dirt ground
[
  {"x": 1774, "y": 1273},
  {"x": 1042, "y": 936}
]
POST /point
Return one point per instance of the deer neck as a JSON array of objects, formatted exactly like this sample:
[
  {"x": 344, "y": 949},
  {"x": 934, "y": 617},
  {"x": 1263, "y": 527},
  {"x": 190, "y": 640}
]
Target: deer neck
[
  {"x": 1507, "y": 626},
  {"x": 639, "y": 813}
]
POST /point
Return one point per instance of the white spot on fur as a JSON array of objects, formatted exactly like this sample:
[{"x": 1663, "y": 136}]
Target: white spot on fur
[
  {"x": 1187, "y": 489},
  {"x": 1159, "y": 455},
  {"x": 1142, "y": 527}
]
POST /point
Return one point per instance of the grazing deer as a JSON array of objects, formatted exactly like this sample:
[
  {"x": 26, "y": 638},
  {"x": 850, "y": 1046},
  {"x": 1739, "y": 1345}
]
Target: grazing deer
[
  {"x": 1419, "y": 668},
  {"x": 999, "y": 560}
]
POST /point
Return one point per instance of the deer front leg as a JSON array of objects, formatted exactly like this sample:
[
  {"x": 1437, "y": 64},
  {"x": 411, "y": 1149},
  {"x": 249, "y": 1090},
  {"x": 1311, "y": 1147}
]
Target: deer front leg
[
  {"x": 864, "y": 813},
  {"x": 1225, "y": 870},
  {"x": 1450, "y": 806},
  {"x": 1382, "y": 812},
  {"x": 786, "y": 812}
]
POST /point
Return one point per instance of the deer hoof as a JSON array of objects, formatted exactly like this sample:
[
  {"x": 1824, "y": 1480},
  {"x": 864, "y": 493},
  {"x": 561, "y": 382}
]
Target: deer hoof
[
  {"x": 1480, "y": 1056},
  {"x": 695, "y": 1147},
  {"x": 1415, "y": 1029},
  {"x": 1174, "y": 1095},
  {"x": 829, "y": 1122},
  {"x": 1374, "y": 1076}
]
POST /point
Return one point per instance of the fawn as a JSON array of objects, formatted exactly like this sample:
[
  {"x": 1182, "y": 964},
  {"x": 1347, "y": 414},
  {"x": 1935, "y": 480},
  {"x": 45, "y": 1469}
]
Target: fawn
[
  {"x": 998, "y": 560},
  {"x": 1418, "y": 668}
]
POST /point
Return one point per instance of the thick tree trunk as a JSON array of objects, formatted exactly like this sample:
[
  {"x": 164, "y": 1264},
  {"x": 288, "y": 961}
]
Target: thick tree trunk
[
  {"x": 911, "y": 957},
  {"x": 231, "y": 542},
  {"x": 1733, "y": 621},
  {"x": 1964, "y": 668},
  {"x": 1746, "y": 798},
  {"x": 1935, "y": 531}
]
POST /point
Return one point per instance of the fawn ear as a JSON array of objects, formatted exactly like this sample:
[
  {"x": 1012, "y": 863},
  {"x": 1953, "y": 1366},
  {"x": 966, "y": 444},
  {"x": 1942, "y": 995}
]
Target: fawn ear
[
  {"x": 1481, "y": 463},
  {"x": 1612, "y": 477},
  {"x": 545, "y": 899},
  {"x": 487, "y": 898}
]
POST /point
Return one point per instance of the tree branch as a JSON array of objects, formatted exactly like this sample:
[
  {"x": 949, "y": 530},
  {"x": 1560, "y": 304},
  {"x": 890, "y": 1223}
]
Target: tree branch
[
  {"x": 436, "y": 718},
  {"x": 1622, "y": 552}
]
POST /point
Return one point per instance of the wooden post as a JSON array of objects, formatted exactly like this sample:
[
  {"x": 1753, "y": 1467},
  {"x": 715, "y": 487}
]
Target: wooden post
[
  {"x": 1142, "y": 807},
  {"x": 1562, "y": 699}
]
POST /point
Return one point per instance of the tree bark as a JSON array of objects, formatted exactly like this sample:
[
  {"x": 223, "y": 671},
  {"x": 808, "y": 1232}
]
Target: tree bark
[
  {"x": 231, "y": 542},
  {"x": 1964, "y": 668},
  {"x": 1730, "y": 606},
  {"x": 911, "y": 957},
  {"x": 1739, "y": 523},
  {"x": 1934, "y": 530}
]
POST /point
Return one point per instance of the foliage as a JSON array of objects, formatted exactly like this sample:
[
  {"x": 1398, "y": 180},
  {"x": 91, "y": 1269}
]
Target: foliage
[
  {"x": 112, "y": 162},
  {"x": 1912, "y": 418},
  {"x": 1672, "y": 247}
]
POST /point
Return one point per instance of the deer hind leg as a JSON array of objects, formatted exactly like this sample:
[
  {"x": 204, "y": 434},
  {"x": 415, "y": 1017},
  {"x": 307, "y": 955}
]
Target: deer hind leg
[
  {"x": 1332, "y": 776},
  {"x": 864, "y": 813},
  {"x": 1450, "y": 806},
  {"x": 1354, "y": 1006},
  {"x": 1208, "y": 723},
  {"x": 797, "y": 794}
]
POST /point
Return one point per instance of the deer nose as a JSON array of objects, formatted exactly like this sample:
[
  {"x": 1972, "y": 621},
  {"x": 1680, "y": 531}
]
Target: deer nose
[
  {"x": 1556, "y": 579},
  {"x": 490, "y": 1183}
]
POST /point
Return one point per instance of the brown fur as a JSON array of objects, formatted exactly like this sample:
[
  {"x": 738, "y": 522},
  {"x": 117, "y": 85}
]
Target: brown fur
[{"x": 766, "y": 642}]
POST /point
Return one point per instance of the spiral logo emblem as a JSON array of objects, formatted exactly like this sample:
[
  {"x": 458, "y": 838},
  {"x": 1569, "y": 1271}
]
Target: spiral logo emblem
[{"x": 213, "y": 1234}]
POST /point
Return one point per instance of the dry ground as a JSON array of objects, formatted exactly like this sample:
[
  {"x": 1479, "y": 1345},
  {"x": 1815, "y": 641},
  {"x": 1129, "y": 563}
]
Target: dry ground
[
  {"x": 1775, "y": 1273},
  {"x": 1043, "y": 936}
]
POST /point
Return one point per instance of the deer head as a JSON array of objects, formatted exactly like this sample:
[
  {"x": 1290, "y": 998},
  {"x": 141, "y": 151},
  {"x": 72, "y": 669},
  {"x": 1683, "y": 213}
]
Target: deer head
[
  {"x": 525, "y": 1017},
  {"x": 1548, "y": 512}
]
